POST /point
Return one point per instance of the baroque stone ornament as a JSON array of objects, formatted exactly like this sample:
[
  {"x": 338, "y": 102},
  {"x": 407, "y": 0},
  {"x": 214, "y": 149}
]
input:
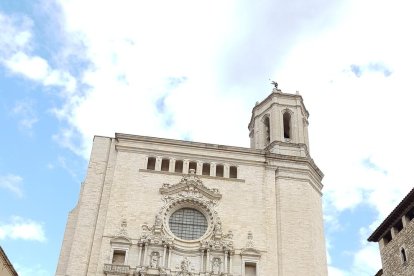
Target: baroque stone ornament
[
  {"x": 190, "y": 192},
  {"x": 216, "y": 266},
  {"x": 123, "y": 229},
  {"x": 250, "y": 248},
  {"x": 185, "y": 268},
  {"x": 189, "y": 186},
  {"x": 154, "y": 235}
]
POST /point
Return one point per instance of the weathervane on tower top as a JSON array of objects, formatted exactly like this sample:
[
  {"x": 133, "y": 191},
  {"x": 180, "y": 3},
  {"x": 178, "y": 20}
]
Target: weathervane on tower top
[{"x": 275, "y": 84}]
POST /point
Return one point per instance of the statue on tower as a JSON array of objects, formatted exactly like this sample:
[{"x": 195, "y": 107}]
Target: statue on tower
[{"x": 275, "y": 84}]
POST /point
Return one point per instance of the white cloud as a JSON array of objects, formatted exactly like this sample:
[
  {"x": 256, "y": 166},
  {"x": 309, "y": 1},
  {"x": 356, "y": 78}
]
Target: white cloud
[
  {"x": 366, "y": 260},
  {"x": 22, "y": 229},
  {"x": 26, "y": 112},
  {"x": 16, "y": 49},
  {"x": 134, "y": 59},
  {"x": 16, "y": 34},
  {"x": 333, "y": 271},
  {"x": 13, "y": 183}
]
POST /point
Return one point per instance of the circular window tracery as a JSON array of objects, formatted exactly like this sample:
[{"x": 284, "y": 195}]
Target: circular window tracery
[{"x": 188, "y": 224}]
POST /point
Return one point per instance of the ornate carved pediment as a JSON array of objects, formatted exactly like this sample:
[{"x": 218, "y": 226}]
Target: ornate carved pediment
[
  {"x": 190, "y": 185},
  {"x": 249, "y": 249},
  {"x": 121, "y": 240},
  {"x": 121, "y": 237}
]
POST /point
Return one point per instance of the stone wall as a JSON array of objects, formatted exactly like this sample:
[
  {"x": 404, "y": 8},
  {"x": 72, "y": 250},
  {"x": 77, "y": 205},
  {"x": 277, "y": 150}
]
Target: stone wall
[
  {"x": 391, "y": 253},
  {"x": 273, "y": 209}
]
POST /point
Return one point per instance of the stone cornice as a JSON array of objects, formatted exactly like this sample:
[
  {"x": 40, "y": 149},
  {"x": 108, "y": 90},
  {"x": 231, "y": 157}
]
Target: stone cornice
[
  {"x": 396, "y": 214},
  {"x": 181, "y": 143},
  {"x": 255, "y": 154},
  {"x": 305, "y": 160}
]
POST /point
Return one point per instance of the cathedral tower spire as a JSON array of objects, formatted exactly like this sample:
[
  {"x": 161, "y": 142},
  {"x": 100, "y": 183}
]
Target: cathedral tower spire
[{"x": 279, "y": 124}]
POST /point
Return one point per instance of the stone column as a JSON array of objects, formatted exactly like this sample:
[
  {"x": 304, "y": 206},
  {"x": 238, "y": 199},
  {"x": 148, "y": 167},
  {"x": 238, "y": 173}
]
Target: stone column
[
  {"x": 169, "y": 257},
  {"x": 163, "y": 256},
  {"x": 185, "y": 166},
  {"x": 145, "y": 254},
  {"x": 139, "y": 253},
  {"x": 172, "y": 165},
  {"x": 202, "y": 260},
  {"x": 199, "y": 170},
  {"x": 208, "y": 261},
  {"x": 226, "y": 172},
  {"x": 158, "y": 161},
  {"x": 225, "y": 262},
  {"x": 213, "y": 169}
]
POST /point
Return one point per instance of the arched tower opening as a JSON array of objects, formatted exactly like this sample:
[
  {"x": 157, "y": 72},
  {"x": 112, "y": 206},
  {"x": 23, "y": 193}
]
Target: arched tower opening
[
  {"x": 266, "y": 123},
  {"x": 287, "y": 125}
]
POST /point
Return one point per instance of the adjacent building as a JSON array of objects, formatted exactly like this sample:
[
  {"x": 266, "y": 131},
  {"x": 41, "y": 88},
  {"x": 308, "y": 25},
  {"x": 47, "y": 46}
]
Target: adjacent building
[
  {"x": 155, "y": 206},
  {"x": 395, "y": 236},
  {"x": 6, "y": 268}
]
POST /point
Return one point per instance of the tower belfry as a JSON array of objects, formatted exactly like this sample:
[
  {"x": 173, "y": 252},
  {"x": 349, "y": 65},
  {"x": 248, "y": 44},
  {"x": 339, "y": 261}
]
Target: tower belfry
[{"x": 279, "y": 124}]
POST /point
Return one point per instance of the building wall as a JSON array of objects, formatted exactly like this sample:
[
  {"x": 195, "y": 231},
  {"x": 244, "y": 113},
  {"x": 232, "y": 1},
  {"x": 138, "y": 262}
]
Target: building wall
[
  {"x": 391, "y": 253},
  {"x": 275, "y": 198},
  {"x": 6, "y": 268}
]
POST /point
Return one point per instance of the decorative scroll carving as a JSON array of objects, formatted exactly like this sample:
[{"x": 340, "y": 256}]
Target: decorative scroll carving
[
  {"x": 154, "y": 234},
  {"x": 189, "y": 186},
  {"x": 218, "y": 242}
]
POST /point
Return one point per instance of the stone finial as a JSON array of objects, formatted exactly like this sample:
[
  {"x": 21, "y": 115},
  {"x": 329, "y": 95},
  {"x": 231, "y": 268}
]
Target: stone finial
[
  {"x": 250, "y": 243},
  {"x": 123, "y": 229}
]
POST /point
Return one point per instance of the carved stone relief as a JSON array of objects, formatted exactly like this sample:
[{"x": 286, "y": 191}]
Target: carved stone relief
[{"x": 173, "y": 256}]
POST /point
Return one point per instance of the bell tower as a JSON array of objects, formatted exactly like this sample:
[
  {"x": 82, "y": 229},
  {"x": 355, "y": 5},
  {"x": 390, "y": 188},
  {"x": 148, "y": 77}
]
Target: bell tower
[{"x": 279, "y": 124}]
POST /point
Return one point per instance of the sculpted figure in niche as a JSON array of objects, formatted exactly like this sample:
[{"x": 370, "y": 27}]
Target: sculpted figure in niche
[
  {"x": 216, "y": 266},
  {"x": 154, "y": 260},
  {"x": 185, "y": 265}
]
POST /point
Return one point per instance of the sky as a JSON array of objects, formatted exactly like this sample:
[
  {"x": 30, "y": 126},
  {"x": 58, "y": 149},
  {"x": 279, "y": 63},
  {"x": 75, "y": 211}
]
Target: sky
[{"x": 193, "y": 70}]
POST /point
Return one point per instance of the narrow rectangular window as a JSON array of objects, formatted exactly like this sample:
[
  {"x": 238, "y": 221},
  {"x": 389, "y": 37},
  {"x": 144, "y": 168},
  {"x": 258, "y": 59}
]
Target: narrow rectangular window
[
  {"x": 206, "y": 169},
  {"x": 178, "y": 166},
  {"x": 165, "y": 165},
  {"x": 233, "y": 172},
  {"x": 403, "y": 255},
  {"x": 151, "y": 163},
  {"x": 250, "y": 269},
  {"x": 192, "y": 166},
  {"x": 220, "y": 170},
  {"x": 119, "y": 257}
]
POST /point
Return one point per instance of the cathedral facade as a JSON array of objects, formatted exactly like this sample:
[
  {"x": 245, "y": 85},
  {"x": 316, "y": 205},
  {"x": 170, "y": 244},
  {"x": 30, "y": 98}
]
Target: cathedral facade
[{"x": 155, "y": 206}]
